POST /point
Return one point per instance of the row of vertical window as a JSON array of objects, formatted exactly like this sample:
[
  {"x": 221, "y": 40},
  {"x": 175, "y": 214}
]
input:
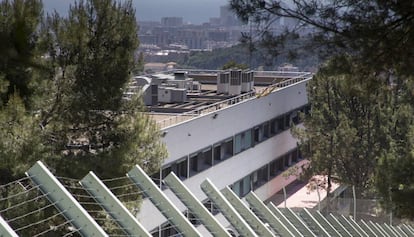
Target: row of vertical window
[
  {"x": 199, "y": 161},
  {"x": 265, "y": 173}
]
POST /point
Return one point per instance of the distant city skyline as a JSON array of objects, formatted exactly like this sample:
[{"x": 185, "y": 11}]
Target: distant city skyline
[{"x": 192, "y": 11}]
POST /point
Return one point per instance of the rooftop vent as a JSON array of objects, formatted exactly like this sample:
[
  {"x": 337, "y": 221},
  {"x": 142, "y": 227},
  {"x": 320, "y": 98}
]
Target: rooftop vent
[{"x": 180, "y": 75}]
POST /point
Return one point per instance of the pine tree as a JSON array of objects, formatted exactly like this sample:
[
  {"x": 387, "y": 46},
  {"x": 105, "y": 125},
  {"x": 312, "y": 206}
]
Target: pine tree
[
  {"x": 89, "y": 124},
  {"x": 365, "y": 108}
]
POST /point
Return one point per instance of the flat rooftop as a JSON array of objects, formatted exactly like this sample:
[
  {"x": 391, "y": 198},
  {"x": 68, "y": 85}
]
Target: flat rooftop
[{"x": 208, "y": 100}]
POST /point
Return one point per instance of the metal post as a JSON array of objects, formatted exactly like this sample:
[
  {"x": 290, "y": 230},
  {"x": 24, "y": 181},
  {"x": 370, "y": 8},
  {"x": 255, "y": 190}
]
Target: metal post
[
  {"x": 6, "y": 230},
  {"x": 65, "y": 202},
  {"x": 227, "y": 209},
  {"x": 160, "y": 200},
  {"x": 113, "y": 206},
  {"x": 270, "y": 218},
  {"x": 195, "y": 206},
  {"x": 257, "y": 225},
  {"x": 355, "y": 207}
]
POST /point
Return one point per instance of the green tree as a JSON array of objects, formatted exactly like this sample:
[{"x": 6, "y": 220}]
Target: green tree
[
  {"x": 89, "y": 124},
  {"x": 377, "y": 36},
  {"x": 19, "y": 146},
  {"x": 18, "y": 36},
  {"x": 233, "y": 65},
  {"x": 378, "y": 33}
]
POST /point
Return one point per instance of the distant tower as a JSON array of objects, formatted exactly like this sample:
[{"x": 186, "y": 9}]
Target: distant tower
[
  {"x": 227, "y": 17},
  {"x": 172, "y": 21}
]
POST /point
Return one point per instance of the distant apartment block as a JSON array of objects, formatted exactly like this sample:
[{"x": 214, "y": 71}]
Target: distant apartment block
[{"x": 172, "y": 21}]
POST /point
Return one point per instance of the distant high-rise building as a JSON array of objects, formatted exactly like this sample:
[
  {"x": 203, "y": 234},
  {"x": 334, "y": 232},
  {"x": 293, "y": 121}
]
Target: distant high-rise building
[
  {"x": 227, "y": 17},
  {"x": 172, "y": 21}
]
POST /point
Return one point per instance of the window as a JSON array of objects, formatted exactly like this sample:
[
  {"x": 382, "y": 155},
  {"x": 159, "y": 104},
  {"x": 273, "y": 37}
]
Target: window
[
  {"x": 274, "y": 126},
  {"x": 246, "y": 186},
  {"x": 266, "y": 130},
  {"x": 281, "y": 123},
  {"x": 236, "y": 187},
  {"x": 243, "y": 186},
  {"x": 200, "y": 161},
  {"x": 287, "y": 120},
  {"x": 274, "y": 168},
  {"x": 280, "y": 164},
  {"x": 287, "y": 160},
  {"x": 166, "y": 171},
  {"x": 242, "y": 141},
  {"x": 258, "y": 134},
  {"x": 295, "y": 156},
  {"x": 180, "y": 168},
  {"x": 223, "y": 150},
  {"x": 260, "y": 177}
]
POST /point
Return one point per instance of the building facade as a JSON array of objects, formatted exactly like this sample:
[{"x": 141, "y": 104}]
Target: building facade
[{"x": 243, "y": 142}]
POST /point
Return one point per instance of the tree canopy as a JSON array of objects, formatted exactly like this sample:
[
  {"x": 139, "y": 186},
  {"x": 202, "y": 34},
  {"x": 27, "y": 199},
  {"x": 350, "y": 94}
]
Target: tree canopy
[
  {"x": 62, "y": 80},
  {"x": 62, "y": 83},
  {"x": 359, "y": 128}
]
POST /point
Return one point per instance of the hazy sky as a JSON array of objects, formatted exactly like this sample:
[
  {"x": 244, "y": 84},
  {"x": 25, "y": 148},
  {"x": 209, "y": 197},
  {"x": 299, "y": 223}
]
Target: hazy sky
[{"x": 194, "y": 11}]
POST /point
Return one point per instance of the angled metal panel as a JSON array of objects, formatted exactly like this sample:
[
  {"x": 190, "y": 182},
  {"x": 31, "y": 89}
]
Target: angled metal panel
[
  {"x": 367, "y": 228},
  {"x": 64, "y": 201},
  {"x": 277, "y": 225},
  {"x": 312, "y": 221},
  {"x": 375, "y": 228},
  {"x": 407, "y": 229},
  {"x": 6, "y": 230},
  {"x": 326, "y": 224},
  {"x": 338, "y": 226},
  {"x": 226, "y": 208},
  {"x": 390, "y": 230},
  {"x": 160, "y": 200},
  {"x": 401, "y": 231},
  {"x": 411, "y": 228},
  {"x": 112, "y": 205},
  {"x": 246, "y": 213},
  {"x": 382, "y": 230},
  {"x": 284, "y": 219},
  {"x": 297, "y": 221},
  {"x": 345, "y": 222},
  {"x": 195, "y": 206},
  {"x": 357, "y": 226}
]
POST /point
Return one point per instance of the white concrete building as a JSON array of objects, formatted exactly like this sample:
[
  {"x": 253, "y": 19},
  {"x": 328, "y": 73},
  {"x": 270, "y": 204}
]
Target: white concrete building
[{"x": 241, "y": 141}]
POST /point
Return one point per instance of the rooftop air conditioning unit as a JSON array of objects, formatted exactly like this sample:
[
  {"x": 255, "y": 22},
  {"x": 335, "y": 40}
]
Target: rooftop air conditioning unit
[
  {"x": 223, "y": 83},
  {"x": 194, "y": 86},
  {"x": 180, "y": 75},
  {"x": 235, "y": 82},
  {"x": 247, "y": 81},
  {"x": 178, "y": 95},
  {"x": 164, "y": 95},
  {"x": 171, "y": 95}
]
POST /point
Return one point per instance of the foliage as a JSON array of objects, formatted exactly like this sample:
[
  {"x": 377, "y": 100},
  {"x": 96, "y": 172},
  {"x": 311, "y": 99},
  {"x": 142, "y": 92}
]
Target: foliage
[
  {"x": 88, "y": 123},
  {"x": 360, "y": 121},
  {"x": 233, "y": 65},
  {"x": 240, "y": 54},
  {"x": 62, "y": 83},
  {"x": 19, "y": 149},
  {"x": 18, "y": 35},
  {"x": 377, "y": 33},
  {"x": 342, "y": 131}
]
